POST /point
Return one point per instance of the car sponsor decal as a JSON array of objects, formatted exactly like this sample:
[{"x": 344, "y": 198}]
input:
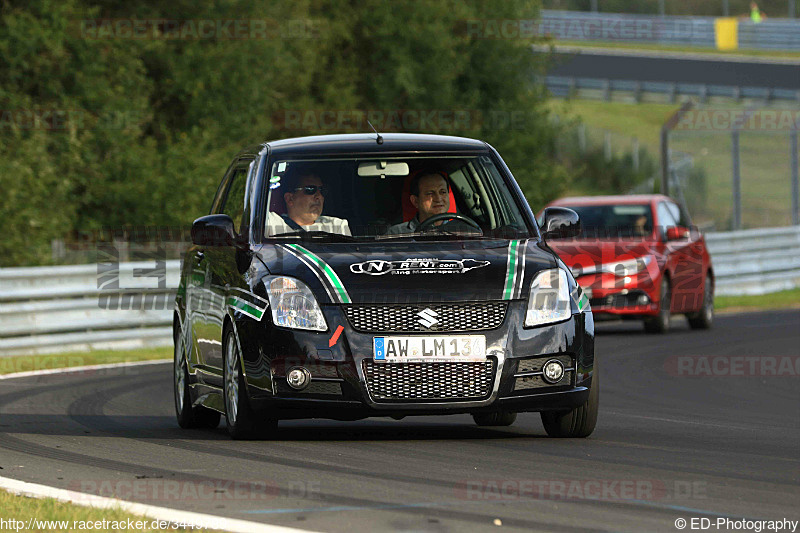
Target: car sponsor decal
[
  {"x": 580, "y": 298},
  {"x": 330, "y": 280},
  {"x": 378, "y": 267},
  {"x": 515, "y": 269}
]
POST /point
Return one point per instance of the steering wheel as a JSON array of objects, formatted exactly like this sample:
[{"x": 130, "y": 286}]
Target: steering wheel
[{"x": 430, "y": 221}]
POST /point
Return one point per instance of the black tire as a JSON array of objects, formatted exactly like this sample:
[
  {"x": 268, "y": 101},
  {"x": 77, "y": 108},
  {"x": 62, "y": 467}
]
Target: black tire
[
  {"x": 704, "y": 318},
  {"x": 581, "y": 421},
  {"x": 660, "y": 322},
  {"x": 242, "y": 422},
  {"x": 500, "y": 418},
  {"x": 188, "y": 416}
]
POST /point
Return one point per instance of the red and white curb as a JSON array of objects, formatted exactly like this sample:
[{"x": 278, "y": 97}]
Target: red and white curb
[{"x": 172, "y": 516}]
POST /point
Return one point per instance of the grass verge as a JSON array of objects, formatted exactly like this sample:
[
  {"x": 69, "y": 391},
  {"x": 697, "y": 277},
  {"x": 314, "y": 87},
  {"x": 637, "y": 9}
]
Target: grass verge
[
  {"x": 777, "y": 300},
  {"x": 769, "y": 54},
  {"x": 70, "y": 517},
  {"x": 27, "y": 363}
]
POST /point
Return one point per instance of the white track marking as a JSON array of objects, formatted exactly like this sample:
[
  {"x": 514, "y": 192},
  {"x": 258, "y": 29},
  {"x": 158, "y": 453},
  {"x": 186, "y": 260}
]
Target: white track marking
[{"x": 173, "y": 516}]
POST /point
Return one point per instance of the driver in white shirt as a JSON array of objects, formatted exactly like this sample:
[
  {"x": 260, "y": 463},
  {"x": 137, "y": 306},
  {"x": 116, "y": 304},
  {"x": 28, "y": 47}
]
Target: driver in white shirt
[{"x": 305, "y": 198}]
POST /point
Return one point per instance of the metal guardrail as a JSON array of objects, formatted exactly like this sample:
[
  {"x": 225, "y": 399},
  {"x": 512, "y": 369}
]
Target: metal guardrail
[
  {"x": 755, "y": 261},
  {"x": 81, "y": 307},
  {"x": 564, "y": 87},
  {"x": 66, "y": 308},
  {"x": 770, "y": 34}
]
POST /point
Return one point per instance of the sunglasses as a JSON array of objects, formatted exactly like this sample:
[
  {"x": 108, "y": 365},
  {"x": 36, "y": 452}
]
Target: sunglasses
[{"x": 312, "y": 189}]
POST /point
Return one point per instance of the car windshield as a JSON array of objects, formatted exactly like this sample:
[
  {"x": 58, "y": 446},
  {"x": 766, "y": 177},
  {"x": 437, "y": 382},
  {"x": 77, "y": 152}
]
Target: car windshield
[
  {"x": 614, "y": 221},
  {"x": 392, "y": 198}
]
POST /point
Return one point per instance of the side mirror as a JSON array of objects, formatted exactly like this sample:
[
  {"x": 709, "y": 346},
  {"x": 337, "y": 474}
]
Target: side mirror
[
  {"x": 560, "y": 223},
  {"x": 677, "y": 233},
  {"x": 213, "y": 230}
]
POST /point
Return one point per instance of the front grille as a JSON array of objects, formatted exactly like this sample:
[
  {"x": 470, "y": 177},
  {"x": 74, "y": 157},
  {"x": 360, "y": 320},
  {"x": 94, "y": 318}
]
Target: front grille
[
  {"x": 429, "y": 381},
  {"x": 403, "y": 319},
  {"x": 326, "y": 388}
]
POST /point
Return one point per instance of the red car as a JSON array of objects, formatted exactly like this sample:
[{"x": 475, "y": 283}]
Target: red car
[{"x": 639, "y": 257}]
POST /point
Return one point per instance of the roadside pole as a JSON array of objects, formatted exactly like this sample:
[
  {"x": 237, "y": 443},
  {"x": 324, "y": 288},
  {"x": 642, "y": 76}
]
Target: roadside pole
[
  {"x": 668, "y": 126},
  {"x": 736, "y": 185},
  {"x": 795, "y": 185}
]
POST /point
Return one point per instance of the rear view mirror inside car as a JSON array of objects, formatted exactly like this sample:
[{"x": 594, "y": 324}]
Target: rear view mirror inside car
[{"x": 382, "y": 168}]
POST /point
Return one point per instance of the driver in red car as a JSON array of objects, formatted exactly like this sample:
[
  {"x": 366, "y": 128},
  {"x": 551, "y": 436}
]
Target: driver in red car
[{"x": 430, "y": 195}]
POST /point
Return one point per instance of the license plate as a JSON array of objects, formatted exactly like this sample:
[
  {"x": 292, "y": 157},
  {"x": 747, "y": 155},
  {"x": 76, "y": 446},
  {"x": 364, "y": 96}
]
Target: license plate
[{"x": 441, "y": 349}]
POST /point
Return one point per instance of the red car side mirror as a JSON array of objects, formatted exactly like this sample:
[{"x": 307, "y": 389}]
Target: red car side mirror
[{"x": 676, "y": 233}]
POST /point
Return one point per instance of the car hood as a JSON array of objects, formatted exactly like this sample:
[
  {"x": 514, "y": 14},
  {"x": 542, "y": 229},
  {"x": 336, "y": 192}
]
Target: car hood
[
  {"x": 410, "y": 272},
  {"x": 584, "y": 255}
]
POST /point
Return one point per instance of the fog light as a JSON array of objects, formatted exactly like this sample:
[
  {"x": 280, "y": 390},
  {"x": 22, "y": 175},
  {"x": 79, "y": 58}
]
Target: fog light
[
  {"x": 298, "y": 378},
  {"x": 553, "y": 371},
  {"x": 643, "y": 299}
]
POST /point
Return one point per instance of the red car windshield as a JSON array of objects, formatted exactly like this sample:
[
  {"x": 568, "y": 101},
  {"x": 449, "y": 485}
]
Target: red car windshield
[{"x": 614, "y": 221}]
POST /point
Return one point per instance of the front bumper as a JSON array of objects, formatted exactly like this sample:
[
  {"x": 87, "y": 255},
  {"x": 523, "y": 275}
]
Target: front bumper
[
  {"x": 628, "y": 297},
  {"x": 339, "y": 388}
]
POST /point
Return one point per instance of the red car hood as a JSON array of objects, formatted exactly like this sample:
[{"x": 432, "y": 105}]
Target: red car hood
[{"x": 590, "y": 254}]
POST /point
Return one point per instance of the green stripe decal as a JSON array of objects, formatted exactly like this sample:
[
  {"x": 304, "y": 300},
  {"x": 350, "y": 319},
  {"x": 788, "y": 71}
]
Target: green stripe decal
[
  {"x": 329, "y": 273},
  {"x": 245, "y": 307},
  {"x": 582, "y": 301},
  {"x": 511, "y": 270}
]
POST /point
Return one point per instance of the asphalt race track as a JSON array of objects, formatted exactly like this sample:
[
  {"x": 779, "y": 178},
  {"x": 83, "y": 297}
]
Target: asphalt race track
[
  {"x": 667, "y": 446},
  {"x": 646, "y": 67}
]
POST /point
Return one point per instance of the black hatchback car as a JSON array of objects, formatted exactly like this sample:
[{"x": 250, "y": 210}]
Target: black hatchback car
[{"x": 350, "y": 276}]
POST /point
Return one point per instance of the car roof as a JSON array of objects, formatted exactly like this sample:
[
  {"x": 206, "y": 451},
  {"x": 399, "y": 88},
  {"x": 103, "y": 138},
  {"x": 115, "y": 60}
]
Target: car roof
[
  {"x": 608, "y": 200},
  {"x": 366, "y": 143}
]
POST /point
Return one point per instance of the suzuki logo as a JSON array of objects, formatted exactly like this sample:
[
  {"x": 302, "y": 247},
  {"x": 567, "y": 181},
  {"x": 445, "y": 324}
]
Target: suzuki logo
[{"x": 427, "y": 318}]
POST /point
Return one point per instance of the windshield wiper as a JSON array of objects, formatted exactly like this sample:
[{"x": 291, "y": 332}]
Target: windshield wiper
[
  {"x": 315, "y": 235},
  {"x": 438, "y": 233}
]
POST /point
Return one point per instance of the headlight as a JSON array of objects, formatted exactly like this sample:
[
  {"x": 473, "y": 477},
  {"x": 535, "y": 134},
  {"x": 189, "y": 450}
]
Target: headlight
[
  {"x": 293, "y": 305},
  {"x": 549, "y": 298},
  {"x": 628, "y": 267}
]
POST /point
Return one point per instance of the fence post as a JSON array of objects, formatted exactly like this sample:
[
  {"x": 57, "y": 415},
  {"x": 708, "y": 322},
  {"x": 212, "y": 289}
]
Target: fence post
[
  {"x": 664, "y": 160},
  {"x": 795, "y": 185},
  {"x": 737, "y": 186},
  {"x": 635, "y": 154},
  {"x": 665, "y": 129}
]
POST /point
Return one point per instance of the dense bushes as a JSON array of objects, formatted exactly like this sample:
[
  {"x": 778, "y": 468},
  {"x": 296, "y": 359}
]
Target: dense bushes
[{"x": 101, "y": 129}]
